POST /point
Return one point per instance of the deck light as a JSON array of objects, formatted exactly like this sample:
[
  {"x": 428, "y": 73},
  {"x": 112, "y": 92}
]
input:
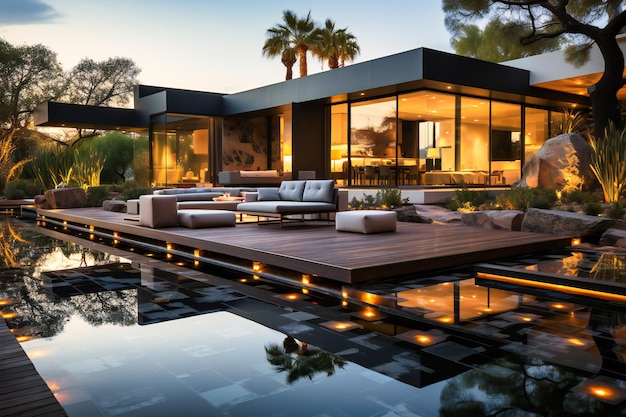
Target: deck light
[
  {"x": 602, "y": 390},
  {"x": 340, "y": 326},
  {"x": 306, "y": 279},
  {"x": 576, "y": 241},
  {"x": 257, "y": 266}
]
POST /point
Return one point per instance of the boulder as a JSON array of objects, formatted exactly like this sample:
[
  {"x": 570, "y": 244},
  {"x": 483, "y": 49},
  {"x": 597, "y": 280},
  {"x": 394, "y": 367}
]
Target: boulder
[
  {"x": 565, "y": 223},
  {"x": 410, "y": 215},
  {"x": 494, "y": 219},
  {"x": 613, "y": 237},
  {"x": 562, "y": 163},
  {"x": 66, "y": 198},
  {"x": 438, "y": 214},
  {"x": 114, "y": 205}
]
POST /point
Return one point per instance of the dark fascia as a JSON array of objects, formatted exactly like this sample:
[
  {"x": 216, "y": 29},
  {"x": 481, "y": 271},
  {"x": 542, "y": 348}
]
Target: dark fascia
[
  {"x": 86, "y": 117},
  {"x": 411, "y": 69},
  {"x": 151, "y": 100}
]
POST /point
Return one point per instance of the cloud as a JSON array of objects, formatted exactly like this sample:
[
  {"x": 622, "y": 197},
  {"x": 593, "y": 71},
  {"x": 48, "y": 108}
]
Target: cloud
[{"x": 25, "y": 12}]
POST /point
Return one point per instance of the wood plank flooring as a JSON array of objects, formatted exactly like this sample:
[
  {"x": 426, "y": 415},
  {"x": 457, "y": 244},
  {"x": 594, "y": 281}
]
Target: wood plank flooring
[
  {"x": 319, "y": 249},
  {"x": 23, "y": 393}
]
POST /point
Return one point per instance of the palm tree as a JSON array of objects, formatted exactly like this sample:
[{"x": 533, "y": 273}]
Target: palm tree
[
  {"x": 276, "y": 45},
  {"x": 294, "y": 35},
  {"x": 336, "y": 46}
]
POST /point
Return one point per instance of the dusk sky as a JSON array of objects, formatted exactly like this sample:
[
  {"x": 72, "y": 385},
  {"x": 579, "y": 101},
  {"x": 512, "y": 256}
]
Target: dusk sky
[{"x": 211, "y": 45}]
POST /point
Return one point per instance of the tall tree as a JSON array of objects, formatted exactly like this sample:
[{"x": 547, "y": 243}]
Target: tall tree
[
  {"x": 578, "y": 22},
  {"x": 277, "y": 45},
  {"x": 293, "y": 34},
  {"x": 334, "y": 45},
  {"x": 499, "y": 41},
  {"x": 29, "y": 75},
  {"x": 108, "y": 82}
]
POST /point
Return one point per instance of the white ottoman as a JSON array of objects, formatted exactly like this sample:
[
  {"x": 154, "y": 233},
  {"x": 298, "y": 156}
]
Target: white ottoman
[
  {"x": 132, "y": 206},
  {"x": 197, "y": 218},
  {"x": 158, "y": 211},
  {"x": 366, "y": 221}
]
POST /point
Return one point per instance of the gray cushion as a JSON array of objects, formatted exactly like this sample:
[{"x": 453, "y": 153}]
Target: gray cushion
[
  {"x": 319, "y": 190},
  {"x": 206, "y": 218},
  {"x": 197, "y": 196},
  {"x": 283, "y": 207},
  {"x": 267, "y": 194},
  {"x": 291, "y": 190}
]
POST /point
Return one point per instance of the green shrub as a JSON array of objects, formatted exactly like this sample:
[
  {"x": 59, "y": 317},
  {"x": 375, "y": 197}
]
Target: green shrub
[
  {"x": 17, "y": 190},
  {"x": 522, "y": 198},
  {"x": 468, "y": 200},
  {"x": 593, "y": 209},
  {"x": 96, "y": 195},
  {"x": 390, "y": 197},
  {"x": 608, "y": 162},
  {"x": 134, "y": 192},
  {"x": 616, "y": 211}
]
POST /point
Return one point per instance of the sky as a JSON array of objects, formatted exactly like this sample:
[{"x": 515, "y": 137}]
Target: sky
[{"x": 211, "y": 45}]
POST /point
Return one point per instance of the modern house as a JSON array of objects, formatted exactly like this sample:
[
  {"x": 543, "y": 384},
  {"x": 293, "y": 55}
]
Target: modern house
[{"x": 418, "y": 118}]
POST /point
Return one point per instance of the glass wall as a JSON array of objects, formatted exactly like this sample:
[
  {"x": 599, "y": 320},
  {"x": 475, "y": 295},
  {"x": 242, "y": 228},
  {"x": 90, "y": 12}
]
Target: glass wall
[
  {"x": 536, "y": 131},
  {"x": 427, "y": 132},
  {"x": 339, "y": 163},
  {"x": 373, "y": 141},
  {"x": 506, "y": 143},
  {"x": 473, "y": 154},
  {"x": 434, "y": 138},
  {"x": 179, "y": 150}
]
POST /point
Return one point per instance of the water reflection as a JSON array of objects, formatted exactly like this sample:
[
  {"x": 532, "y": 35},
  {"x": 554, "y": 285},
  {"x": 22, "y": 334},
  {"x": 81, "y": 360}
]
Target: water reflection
[
  {"x": 34, "y": 311},
  {"x": 299, "y": 361},
  {"x": 517, "y": 385}
]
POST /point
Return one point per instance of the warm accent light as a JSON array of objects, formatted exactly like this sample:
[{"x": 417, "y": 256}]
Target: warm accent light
[
  {"x": 344, "y": 303},
  {"x": 305, "y": 290},
  {"x": 576, "y": 241},
  {"x": 576, "y": 342},
  {"x": 5, "y": 302},
  {"x": 340, "y": 326},
  {"x": 257, "y": 266},
  {"x": 23, "y": 338},
  {"x": 306, "y": 279},
  {"x": 9, "y": 315},
  {"x": 554, "y": 287}
]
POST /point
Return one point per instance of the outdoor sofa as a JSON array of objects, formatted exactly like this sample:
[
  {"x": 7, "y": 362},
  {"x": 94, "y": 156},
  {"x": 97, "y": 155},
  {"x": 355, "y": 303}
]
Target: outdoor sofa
[{"x": 293, "y": 198}]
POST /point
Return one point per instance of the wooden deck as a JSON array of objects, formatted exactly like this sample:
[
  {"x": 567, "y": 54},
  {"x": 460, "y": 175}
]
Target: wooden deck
[
  {"x": 23, "y": 393},
  {"x": 319, "y": 249}
]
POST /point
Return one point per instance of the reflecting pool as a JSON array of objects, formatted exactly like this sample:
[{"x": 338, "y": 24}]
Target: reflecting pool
[{"x": 117, "y": 334}]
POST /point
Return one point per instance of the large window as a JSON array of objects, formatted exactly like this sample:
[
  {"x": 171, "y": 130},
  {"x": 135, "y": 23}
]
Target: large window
[
  {"x": 373, "y": 141},
  {"x": 426, "y": 135},
  {"x": 339, "y": 164},
  {"x": 179, "y": 150},
  {"x": 434, "y": 138},
  {"x": 474, "y": 135},
  {"x": 536, "y": 131},
  {"x": 506, "y": 142}
]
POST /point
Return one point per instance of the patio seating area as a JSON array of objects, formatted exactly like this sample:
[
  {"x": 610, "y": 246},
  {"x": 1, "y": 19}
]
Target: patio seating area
[{"x": 313, "y": 247}]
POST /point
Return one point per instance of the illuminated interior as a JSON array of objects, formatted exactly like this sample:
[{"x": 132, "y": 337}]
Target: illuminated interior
[{"x": 434, "y": 138}]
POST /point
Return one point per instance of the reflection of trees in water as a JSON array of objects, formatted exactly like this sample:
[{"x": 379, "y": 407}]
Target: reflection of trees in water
[
  {"x": 530, "y": 387},
  {"x": 299, "y": 361},
  {"x": 377, "y": 141},
  {"x": 36, "y": 307}
]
